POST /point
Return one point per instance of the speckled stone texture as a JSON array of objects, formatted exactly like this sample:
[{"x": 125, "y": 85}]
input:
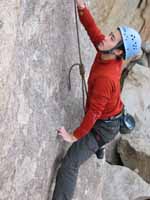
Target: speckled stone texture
[{"x": 37, "y": 46}]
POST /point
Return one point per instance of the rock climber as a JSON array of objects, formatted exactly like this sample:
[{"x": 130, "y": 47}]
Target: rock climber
[{"x": 103, "y": 106}]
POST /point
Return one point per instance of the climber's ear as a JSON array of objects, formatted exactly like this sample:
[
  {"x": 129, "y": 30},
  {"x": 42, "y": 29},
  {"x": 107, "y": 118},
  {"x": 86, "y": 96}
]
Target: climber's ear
[{"x": 117, "y": 52}]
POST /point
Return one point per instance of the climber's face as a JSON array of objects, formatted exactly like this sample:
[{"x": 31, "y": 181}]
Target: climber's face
[{"x": 110, "y": 41}]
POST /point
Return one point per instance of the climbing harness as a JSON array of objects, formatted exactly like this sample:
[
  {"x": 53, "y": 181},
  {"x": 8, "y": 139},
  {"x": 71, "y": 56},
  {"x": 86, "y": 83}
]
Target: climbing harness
[{"x": 80, "y": 64}]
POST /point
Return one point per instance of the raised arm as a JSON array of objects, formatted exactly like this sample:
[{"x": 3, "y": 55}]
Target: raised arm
[{"x": 89, "y": 24}]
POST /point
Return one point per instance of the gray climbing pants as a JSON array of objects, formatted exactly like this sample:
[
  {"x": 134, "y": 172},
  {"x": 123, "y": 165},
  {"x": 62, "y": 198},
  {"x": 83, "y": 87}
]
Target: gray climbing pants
[{"x": 78, "y": 153}]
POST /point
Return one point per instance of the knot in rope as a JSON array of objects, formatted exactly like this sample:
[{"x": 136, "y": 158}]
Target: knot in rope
[{"x": 82, "y": 70}]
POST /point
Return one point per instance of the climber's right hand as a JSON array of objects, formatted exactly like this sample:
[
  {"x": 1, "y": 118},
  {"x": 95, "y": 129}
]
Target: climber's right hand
[
  {"x": 65, "y": 135},
  {"x": 80, "y": 4}
]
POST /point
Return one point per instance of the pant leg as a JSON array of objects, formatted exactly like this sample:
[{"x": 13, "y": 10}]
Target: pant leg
[
  {"x": 77, "y": 154},
  {"x": 104, "y": 132}
]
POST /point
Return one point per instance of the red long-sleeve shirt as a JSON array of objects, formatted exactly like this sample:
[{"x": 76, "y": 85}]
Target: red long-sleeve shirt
[{"x": 103, "y": 99}]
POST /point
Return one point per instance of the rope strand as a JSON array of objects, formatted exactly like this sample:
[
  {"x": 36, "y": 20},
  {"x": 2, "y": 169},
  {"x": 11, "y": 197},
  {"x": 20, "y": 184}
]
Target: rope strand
[{"x": 80, "y": 65}]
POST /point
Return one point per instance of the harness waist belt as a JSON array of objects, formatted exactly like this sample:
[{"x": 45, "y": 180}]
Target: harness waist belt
[{"x": 113, "y": 117}]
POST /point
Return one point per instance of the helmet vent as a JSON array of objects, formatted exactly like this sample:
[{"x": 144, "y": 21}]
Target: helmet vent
[{"x": 132, "y": 41}]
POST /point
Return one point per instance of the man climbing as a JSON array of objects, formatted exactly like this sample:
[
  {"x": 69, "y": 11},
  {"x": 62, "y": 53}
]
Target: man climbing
[{"x": 103, "y": 107}]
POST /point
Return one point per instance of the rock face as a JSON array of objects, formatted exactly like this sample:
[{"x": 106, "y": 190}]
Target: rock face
[
  {"x": 135, "y": 154},
  {"x": 136, "y": 97},
  {"x": 110, "y": 14},
  {"x": 37, "y": 46},
  {"x": 90, "y": 179},
  {"x": 134, "y": 149},
  {"x": 121, "y": 183}
]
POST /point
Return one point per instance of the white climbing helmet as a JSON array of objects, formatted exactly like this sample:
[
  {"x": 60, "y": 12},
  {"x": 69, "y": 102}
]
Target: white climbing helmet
[{"x": 131, "y": 40}]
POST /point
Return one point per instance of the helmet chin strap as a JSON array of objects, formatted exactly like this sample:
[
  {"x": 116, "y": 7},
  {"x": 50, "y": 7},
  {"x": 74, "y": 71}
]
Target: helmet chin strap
[{"x": 110, "y": 51}]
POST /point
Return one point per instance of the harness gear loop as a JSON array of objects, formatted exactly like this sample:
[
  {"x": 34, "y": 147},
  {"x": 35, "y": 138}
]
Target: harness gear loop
[{"x": 80, "y": 64}]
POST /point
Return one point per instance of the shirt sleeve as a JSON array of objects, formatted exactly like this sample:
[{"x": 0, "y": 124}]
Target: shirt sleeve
[
  {"x": 90, "y": 26},
  {"x": 101, "y": 94}
]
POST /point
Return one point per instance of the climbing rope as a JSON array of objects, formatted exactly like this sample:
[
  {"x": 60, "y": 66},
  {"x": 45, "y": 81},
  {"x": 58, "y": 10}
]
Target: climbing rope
[{"x": 80, "y": 64}]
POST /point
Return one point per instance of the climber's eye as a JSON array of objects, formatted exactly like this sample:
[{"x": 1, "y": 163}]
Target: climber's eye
[{"x": 112, "y": 36}]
